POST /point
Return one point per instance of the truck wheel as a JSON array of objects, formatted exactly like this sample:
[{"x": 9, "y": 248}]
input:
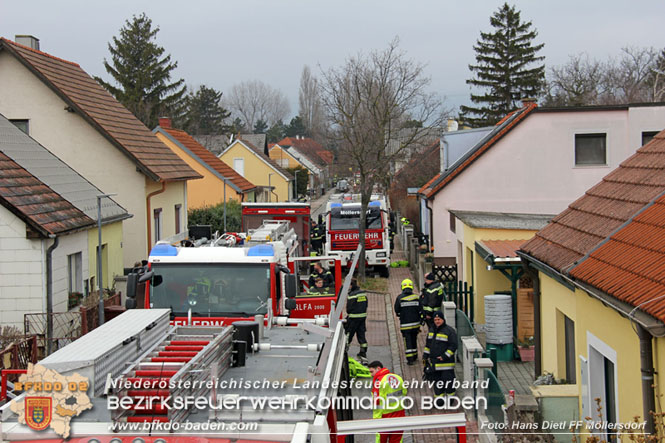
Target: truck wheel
[{"x": 384, "y": 271}]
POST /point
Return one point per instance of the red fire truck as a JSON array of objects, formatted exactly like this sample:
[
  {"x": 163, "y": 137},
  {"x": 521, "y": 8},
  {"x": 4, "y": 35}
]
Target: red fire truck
[
  {"x": 235, "y": 277},
  {"x": 342, "y": 226},
  {"x": 298, "y": 214}
]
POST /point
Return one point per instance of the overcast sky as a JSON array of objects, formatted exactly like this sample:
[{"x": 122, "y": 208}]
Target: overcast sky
[{"x": 221, "y": 43}]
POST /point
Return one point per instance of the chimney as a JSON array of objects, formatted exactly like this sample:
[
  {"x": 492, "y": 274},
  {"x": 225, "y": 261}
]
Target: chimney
[
  {"x": 452, "y": 125},
  {"x": 27, "y": 40},
  {"x": 165, "y": 122}
]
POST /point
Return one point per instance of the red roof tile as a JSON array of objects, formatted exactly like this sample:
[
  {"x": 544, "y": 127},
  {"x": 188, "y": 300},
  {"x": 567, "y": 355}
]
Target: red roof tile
[
  {"x": 103, "y": 112},
  {"x": 208, "y": 157},
  {"x": 502, "y": 128},
  {"x": 502, "y": 248},
  {"x": 35, "y": 203},
  {"x": 613, "y": 238},
  {"x": 309, "y": 147}
]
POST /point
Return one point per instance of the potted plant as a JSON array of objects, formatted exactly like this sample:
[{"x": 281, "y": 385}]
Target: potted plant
[
  {"x": 526, "y": 349},
  {"x": 429, "y": 257}
]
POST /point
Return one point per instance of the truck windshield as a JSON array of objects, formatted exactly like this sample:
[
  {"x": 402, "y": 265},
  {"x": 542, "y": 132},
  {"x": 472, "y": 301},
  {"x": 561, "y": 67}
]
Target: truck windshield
[
  {"x": 348, "y": 218},
  {"x": 211, "y": 289}
]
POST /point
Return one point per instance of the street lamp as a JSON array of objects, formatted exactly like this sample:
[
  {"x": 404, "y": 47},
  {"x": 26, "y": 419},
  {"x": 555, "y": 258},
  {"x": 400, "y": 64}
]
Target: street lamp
[{"x": 99, "y": 255}]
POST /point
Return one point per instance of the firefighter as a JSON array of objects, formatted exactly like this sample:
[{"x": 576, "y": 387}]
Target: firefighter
[
  {"x": 319, "y": 288},
  {"x": 407, "y": 308},
  {"x": 388, "y": 391},
  {"x": 431, "y": 298},
  {"x": 439, "y": 356},
  {"x": 325, "y": 274},
  {"x": 356, "y": 309},
  {"x": 316, "y": 237},
  {"x": 391, "y": 236}
]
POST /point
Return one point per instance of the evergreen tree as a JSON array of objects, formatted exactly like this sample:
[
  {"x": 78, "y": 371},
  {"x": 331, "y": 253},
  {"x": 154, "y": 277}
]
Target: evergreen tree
[
  {"x": 503, "y": 67},
  {"x": 260, "y": 127},
  {"x": 296, "y": 127},
  {"x": 205, "y": 114},
  {"x": 237, "y": 127},
  {"x": 142, "y": 71},
  {"x": 276, "y": 132}
]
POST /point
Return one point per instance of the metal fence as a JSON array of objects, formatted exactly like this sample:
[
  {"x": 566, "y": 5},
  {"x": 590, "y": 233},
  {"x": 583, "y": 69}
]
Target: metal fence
[
  {"x": 495, "y": 398},
  {"x": 461, "y": 293},
  {"x": 18, "y": 354}
]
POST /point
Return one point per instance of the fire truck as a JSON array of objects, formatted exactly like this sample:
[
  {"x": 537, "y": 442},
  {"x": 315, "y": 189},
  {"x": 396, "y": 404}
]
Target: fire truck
[
  {"x": 298, "y": 214},
  {"x": 142, "y": 372},
  {"x": 233, "y": 277},
  {"x": 342, "y": 227}
]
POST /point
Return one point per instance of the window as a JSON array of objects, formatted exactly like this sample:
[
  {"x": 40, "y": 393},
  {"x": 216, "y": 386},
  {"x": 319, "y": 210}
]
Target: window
[
  {"x": 647, "y": 136},
  {"x": 22, "y": 125},
  {"x": 452, "y": 222},
  {"x": 239, "y": 166},
  {"x": 569, "y": 337},
  {"x": 75, "y": 271},
  {"x": 177, "y": 218},
  {"x": 590, "y": 149},
  {"x": 158, "y": 224}
]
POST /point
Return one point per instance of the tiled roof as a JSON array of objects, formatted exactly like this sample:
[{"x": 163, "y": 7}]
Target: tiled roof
[
  {"x": 502, "y": 248},
  {"x": 35, "y": 203},
  {"x": 501, "y": 129},
  {"x": 613, "y": 237},
  {"x": 267, "y": 159},
  {"x": 57, "y": 175},
  {"x": 184, "y": 139},
  {"x": 309, "y": 147},
  {"x": 84, "y": 95}
]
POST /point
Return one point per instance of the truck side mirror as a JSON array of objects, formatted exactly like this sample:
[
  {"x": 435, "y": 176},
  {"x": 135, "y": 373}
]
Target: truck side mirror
[
  {"x": 291, "y": 284},
  {"x": 132, "y": 283},
  {"x": 290, "y": 304}
]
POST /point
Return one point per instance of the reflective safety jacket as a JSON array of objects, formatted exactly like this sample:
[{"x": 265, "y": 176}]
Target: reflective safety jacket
[
  {"x": 356, "y": 304},
  {"x": 440, "y": 348},
  {"x": 407, "y": 308},
  {"x": 431, "y": 298},
  {"x": 387, "y": 385}
]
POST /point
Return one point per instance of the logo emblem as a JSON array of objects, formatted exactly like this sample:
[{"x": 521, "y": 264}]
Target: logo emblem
[{"x": 38, "y": 412}]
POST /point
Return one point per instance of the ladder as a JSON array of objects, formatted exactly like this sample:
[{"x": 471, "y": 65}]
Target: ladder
[{"x": 196, "y": 353}]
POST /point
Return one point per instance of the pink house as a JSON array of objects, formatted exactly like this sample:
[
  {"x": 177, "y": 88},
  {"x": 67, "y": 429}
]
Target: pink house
[{"x": 535, "y": 161}]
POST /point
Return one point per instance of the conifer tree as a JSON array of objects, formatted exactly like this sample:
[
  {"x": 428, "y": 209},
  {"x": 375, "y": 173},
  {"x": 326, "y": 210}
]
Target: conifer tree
[
  {"x": 505, "y": 68},
  {"x": 205, "y": 114},
  {"x": 143, "y": 73}
]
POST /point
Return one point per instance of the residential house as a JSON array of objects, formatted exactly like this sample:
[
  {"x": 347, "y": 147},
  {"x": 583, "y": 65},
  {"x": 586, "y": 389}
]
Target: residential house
[
  {"x": 306, "y": 147},
  {"x": 220, "y": 182},
  {"x": 48, "y": 230},
  {"x": 488, "y": 242},
  {"x": 600, "y": 292},
  {"x": 534, "y": 161},
  {"x": 251, "y": 162},
  {"x": 290, "y": 157},
  {"x": 59, "y": 105}
]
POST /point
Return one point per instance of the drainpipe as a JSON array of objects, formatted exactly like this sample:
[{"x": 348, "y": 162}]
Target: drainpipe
[
  {"x": 646, "y": 367},
  {"x": 538, "y": 351},
  {"x": 431, "y": 226},
  {"x": 49, "y": 294},
  {"x": 147, "y": 205}
]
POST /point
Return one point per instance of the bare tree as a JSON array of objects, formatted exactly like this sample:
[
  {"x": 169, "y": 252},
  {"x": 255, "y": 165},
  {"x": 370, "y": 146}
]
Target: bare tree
[
  {"x": 628, "y": 78},
  {"x": 368, "y": 100},
  {"x": 254, "y": 100},
  {"x": 311, "y": 109},
  {"x": 657, "y": 78}
]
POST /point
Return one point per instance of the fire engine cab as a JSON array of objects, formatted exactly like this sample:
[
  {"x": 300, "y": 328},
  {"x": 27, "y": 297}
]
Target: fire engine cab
[
  {"x": 233, "y": 277},
  {"x": 343, "y": 224}
]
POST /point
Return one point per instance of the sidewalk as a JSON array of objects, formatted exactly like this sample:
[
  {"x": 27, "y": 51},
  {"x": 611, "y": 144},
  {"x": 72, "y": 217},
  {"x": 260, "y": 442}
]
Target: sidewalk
[{"x": 386, "y": 345}]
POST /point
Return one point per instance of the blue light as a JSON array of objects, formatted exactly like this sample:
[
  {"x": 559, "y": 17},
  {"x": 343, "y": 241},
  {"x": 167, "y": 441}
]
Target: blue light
[
  {"x": 164, "y": 250},
  {"x": 261, "y": 251},
  {"x": 335, "y": 205},
  {"x": 375, "y": 203}
]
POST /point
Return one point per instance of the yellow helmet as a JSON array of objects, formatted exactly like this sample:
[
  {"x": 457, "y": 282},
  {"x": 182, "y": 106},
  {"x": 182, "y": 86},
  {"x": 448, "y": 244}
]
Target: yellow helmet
[{"x": 407, "y": 283}]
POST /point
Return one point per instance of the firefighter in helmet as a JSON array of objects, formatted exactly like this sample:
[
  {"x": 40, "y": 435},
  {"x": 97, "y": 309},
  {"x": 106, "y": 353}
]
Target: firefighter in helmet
[
  {"x": 407, "y": 308},
  {"x": 356, "y": 309}
]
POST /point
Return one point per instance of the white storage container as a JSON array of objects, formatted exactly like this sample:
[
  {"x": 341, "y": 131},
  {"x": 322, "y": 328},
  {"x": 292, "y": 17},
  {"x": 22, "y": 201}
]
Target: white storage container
[{"x": 498, "y": 319}]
